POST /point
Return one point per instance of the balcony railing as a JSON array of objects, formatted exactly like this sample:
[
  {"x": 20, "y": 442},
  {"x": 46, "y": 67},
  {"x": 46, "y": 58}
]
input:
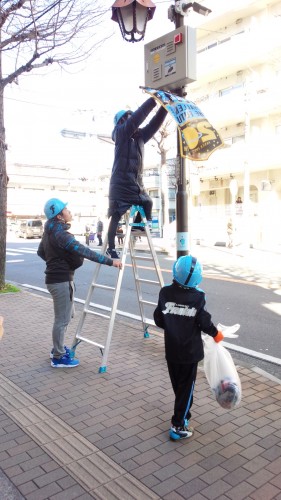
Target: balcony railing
[{"x": 231, "y": 56}]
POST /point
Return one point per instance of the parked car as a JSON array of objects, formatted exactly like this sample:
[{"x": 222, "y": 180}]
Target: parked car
[{"x": 32, "y": 228}]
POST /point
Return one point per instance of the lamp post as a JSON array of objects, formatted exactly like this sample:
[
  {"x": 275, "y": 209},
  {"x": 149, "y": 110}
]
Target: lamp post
[{"x": 132, "y": 16}]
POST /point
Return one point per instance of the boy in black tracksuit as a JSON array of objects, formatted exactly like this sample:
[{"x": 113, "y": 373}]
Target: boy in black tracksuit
[{"x": 181, "y": 313}]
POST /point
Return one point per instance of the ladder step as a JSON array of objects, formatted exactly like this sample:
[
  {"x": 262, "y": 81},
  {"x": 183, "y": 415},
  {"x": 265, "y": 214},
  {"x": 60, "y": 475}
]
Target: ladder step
[
  {"x": 149, "y": 322},
  {"x": 152, "y": 282},
  {"x": 96, "y": 313},
  {"x": 104, "y": 287},
  {"x": 141, "y": 257},
  {"x": 89, "y": 341},
  {"x": 148, "y": 303}
]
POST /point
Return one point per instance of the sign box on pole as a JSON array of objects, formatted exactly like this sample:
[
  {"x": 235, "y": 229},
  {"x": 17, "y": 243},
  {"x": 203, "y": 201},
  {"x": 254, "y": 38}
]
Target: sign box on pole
[{"x": 170, "y": 61}]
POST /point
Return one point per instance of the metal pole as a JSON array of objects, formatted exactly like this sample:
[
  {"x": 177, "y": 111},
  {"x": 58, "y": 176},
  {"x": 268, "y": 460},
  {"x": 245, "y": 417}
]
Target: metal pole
[
  {"x": 160, "y": 216},
  {"x": 181, "y": 196}
]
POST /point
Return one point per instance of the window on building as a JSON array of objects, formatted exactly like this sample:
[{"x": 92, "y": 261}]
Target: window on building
[
  {"x": 232, "y": 88},
  {"x": 172, "y": 193},
  {"x": 228, "y": 140},
  {"x": 225, "y": 91},
  {"x": 154, "y": 193},
  {"x": 233, "y": 140},
  {"x": 238, "y": 138},
  {"x": 215, "y": 43},
  {"x": 151, "y": 171}
]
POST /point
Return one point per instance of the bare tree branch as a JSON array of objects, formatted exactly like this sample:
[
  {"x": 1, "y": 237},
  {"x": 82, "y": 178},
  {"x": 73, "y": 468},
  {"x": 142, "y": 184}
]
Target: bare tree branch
[
  {"x": 26, "y": 69},
  {"x": 5, "y": 13},
  {"x": 35, "y": 34},
  {"x": 41, "y": 27}
]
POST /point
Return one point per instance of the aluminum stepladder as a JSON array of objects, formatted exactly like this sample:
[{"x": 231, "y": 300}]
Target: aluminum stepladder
[{"x": 128, "y": 245}]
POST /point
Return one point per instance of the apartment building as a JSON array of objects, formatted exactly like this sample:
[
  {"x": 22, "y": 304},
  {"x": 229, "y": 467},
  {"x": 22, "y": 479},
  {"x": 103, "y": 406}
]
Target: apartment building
[
  {"x": 238, "y": 89},
  {"x": 30, "y": 185}
]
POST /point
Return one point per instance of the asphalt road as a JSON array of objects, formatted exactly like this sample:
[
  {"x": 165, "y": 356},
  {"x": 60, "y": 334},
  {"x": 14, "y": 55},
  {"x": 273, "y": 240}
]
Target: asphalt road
[{"x": 231, "y": 297}]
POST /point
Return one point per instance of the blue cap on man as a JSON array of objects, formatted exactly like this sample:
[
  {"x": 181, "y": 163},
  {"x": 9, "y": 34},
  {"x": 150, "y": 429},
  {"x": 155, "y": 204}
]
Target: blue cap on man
[{"x": 53, "y": 207}]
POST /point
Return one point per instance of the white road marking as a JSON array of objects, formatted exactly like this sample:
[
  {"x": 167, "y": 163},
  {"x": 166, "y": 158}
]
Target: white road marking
[
  {"x": 21, "y": 250},
  {"x": 14, "y": 260}
]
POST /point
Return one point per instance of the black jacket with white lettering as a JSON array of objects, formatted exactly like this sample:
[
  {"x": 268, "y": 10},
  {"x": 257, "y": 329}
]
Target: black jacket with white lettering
[{"x": 181, "y": 313}]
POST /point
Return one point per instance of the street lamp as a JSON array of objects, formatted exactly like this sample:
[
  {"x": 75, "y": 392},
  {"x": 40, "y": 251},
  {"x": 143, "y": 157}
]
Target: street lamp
[{"x": 132, "y": 16}]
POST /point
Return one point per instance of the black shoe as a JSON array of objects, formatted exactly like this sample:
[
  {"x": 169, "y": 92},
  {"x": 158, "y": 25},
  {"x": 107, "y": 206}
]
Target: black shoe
[{"x": 112, "y": 254}]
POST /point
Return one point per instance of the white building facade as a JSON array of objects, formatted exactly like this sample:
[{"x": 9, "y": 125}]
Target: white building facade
[{"x": 238, "y": 90}]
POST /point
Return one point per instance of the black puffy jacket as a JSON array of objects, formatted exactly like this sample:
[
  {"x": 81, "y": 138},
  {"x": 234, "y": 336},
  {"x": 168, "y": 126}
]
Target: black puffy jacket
[
  {"x": 126, "y": 184},
  {"x": 63, "y": 253}
]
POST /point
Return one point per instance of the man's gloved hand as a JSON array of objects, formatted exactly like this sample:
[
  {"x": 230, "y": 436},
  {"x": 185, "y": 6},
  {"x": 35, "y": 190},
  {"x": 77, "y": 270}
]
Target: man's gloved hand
[{"x": 219, "y": 337}]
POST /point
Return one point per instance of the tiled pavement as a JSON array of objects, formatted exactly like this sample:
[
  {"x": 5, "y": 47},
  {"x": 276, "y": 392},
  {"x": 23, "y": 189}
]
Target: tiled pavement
[{"x": 78, "y": 434}]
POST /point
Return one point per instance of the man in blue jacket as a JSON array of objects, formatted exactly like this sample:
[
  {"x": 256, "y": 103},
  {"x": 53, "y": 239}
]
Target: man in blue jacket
[
  {"x": 126, "y": 183},
  {"x": 63, "y": 254}
]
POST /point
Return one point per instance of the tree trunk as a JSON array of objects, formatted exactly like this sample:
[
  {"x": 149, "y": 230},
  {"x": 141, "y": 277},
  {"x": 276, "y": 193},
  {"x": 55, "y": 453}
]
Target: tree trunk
[
  {"x": 165, "y": 196},
  {"x": 3, "y": 186}
]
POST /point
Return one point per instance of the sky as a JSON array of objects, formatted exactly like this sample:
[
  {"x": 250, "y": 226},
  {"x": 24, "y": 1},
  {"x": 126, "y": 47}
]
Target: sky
[{"x": 84, "y": 98}]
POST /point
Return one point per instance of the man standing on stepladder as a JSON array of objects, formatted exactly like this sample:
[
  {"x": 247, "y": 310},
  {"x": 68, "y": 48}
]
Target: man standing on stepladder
[{"x": 126, "y": 183}]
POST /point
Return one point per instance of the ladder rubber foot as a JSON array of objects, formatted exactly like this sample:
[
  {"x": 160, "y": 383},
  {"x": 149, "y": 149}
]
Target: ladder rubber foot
[
  {"x": 146, "y": 335},
  {"x": 102, "y": 369}
]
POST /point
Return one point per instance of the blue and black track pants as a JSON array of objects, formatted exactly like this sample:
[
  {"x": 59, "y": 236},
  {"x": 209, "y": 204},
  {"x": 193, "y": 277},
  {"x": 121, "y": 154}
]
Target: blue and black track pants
[{"x": 183, "y": 379}]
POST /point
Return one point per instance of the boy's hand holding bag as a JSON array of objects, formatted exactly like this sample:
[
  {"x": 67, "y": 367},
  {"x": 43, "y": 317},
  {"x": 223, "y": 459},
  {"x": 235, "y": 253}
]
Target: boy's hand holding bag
[{"x": 220, "y": 369}]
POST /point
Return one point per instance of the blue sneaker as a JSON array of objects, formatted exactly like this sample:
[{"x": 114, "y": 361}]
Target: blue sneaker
[
  {"x": 182, "y": 432},
  {"x": 67, "y": 351},
  {"x": 64, "y": 362}
]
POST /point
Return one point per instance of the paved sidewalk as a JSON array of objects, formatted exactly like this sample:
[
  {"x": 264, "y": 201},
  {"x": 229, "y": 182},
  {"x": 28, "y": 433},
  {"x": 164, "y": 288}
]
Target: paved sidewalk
[{"x": 78, "y": 434}]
